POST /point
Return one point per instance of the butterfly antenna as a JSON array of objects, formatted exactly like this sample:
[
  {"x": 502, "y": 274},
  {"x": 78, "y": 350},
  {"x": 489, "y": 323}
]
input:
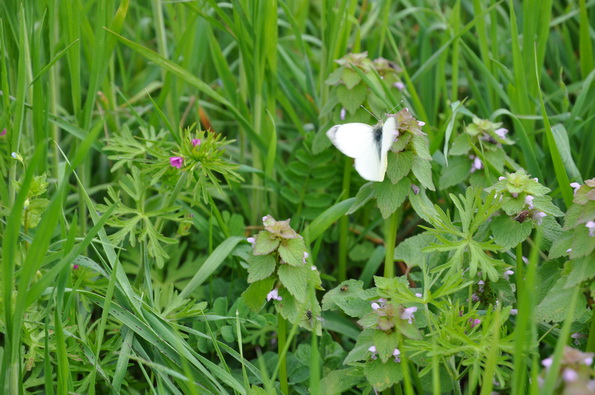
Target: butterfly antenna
[
  {"x": 391, "y": 110},
  {"x": 369, "y": 112}
]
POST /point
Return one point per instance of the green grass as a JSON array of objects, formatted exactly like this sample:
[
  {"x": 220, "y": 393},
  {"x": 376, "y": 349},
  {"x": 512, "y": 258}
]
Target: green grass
[{"x": 98, "y": 95}]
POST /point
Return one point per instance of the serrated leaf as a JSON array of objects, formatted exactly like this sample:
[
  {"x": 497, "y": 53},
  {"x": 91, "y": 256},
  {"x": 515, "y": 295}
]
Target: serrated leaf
[
  {"x": 351, "y": 78},
  {"x": 339, "y": 381},
  {"x": 260, "y": 267},
  {"x": 296, "y": 312},
  {"x": 383, "y": 375},
  {"x": 265, "y": 243},
  {"x": 352, "y": 99},
  {"x": 422, "y": 205},
  {"x": 399, "y": 165},
  {"x": 390, "y": 196},
  {"x": 255, "y": 295},
  {"x": 421, "y": 146},
  {"x": 292, "y": 251},
  {"x": 460, "y": 145},
  {"x": 560, "y": 245},
  {"x": 582, "y": 269},
  {"x": 360, "y": 352},
  {"x": 554, "y": 306},
  {"x": 348, "y": 296},
  {"x": 410, "y": 249},
  {"x": 544, "y": 203},
  {"x": 295, "y": 279},
  {"x": 365, "y": 193},
  {"x": 582, "y": 243},
  {"x": 509, "y": 233},
  {"x": 497, "y": 159},
  {"x": 385, "y": 344},
  {"x": 401, "y": 142},
  {"x": 422, "y": 169}
]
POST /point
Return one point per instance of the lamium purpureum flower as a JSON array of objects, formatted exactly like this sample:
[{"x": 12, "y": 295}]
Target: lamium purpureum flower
[
  {"x": 251, "y": 240},
  {"x": 507, "y": 274},
  {"x": 372, "y": 349},
  {"x": 3, "y": 132},
  {"x": 474, "y": 322},
  {"x": 195, "y": 142},
  {"x": 477, "y": 163},
  {"x": 396, "y": 353},
  {"x": 399, "y": 85},
  {"x": 569, "y": 375},
  {"x": 501, "y": 132},
  {"x": 538, "y": 217},
  {"x": 176, "y": 161},
  {"x": 529, "y": 201},
  {"x": 407, "y": 314},
  {"x": 576, "y": 186},
  {"x": 591, "y": 226},
  {"x": 274, "y": 295},
  {"x": 343, "y": 113}
]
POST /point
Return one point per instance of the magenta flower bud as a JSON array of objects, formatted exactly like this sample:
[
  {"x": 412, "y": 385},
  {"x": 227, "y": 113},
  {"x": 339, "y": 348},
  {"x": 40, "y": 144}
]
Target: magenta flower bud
[
  {"x": 176, "y": 161},
  {"x": 195, "y": 142},
  {"x": 3, "y": 132}
]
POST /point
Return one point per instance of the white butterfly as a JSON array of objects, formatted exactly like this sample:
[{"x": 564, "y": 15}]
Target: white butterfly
[{"x": 368, "y": 145}]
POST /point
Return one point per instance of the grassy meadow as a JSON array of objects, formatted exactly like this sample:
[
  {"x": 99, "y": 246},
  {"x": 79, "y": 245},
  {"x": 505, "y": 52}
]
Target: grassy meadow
[{"x": 174, "y": 218}]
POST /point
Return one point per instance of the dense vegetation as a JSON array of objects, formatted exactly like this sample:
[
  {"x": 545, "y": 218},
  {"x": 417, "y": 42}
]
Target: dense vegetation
[{"x": 174, "y": 218}]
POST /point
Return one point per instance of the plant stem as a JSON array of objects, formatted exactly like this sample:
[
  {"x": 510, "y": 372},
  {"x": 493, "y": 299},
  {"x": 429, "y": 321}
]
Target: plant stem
[
  {"x": 520, "y": 270},
  {"x": 390, "y": 239},
  {"x": 344, "y": 224},
  {"x": 281, "y": 339}
]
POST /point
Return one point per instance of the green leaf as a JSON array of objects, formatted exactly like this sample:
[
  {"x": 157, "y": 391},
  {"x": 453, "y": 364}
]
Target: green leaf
[
  {"x": 292, "y": 251},
  {"x": 360, "y": 352},
  {"x": 554, "y": 306},
  {"x": 350, "y": 78},
  {"x": 401, "y": 142},
  {"x": 352, "y": 99},
  {"x": 399, "y": 165},
  {"x": 422, "y": 169},
  {"x": 295, "y": 279},
  {"x": 582, "y": 243},
  {"x": 390, "y": 196},
  {"x": 508, "y": 232},
  {"x": 421, "y": 147},
  {"x": 383, "y": 375},
  {"x": 385, "y": 344},
  {"x": 256, "y": 294},
  {"x": 460, "y": 145},
  {"x": 456, "y": 172},
  {"x": 582, "y": 269},
  {"x": 260, "y": 267},
  {"x": 317, "y": 227},
  {"x": 348, "y": 296},
  {"x": 410, "y": 249},
  {"x": 544, "y": 203},
  {"x": 422, "y": 205},
  {"x": 265, "y": 243},
  {"x": 365, "y": 193},
  {"x": 560, "y": 245},
  {"x": 339, "y": 381}
]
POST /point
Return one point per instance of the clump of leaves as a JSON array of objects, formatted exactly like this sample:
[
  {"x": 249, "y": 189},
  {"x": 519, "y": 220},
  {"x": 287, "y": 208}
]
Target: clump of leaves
[
  {"x": 408, "y": 163},
  {"x": 468, "y": 241},
  {"x": 385, "y": 320},
  {"x": 578, "y": 239},
  {"x": 141, "y": 222},
  {"x": 278, "y": 270},
  {"x": 525, "y": 203},
  {"x": 482, "y": 140}
]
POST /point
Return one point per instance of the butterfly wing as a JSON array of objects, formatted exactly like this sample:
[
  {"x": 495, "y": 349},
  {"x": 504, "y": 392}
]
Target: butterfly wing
[{"x": 357, "y": 141}]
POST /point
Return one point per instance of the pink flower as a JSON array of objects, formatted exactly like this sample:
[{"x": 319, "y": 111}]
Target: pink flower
[
  {"x": 372, "y": 349},
  {"x": 501, "y": 132},
  {"x": 375, "y": 306},
  {"x": 501, "y": 178},
  {"x": 407, "y": 314},
  {"x": 176, "y": 161},
  {"x": 514, "y": 311},
  {"x": 399, "y": 85},
  {"x": 474, "y": 322},
  {"x": 529, "y": 201},
  {"x": 75, "y": 266},
  {"x": 420, "y": 123},
  {"x": 476, "y": 165},
  {"x": 195, "y": 142},
  {"x": 538, "y": 217},
  {"x": 274, "y": 294},
  {"x": 576, "y": 186},
  {"x": 418, "y": 295},
  {"x": 591, "y": 226},
  {"x": 547, "y": 362},
  {"x": 396, "y": 354},
  {"x": 507, "y": 274},
  {"x": 251, "y": 240},
  {"x": 569, "y": 375},
  {"x": 343, "y": 113},
  {"x": 3, "y": 132}
]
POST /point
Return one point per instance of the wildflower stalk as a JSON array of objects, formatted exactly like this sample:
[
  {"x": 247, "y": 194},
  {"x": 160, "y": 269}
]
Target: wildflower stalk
[
  {"x": 520, "y": 270},
  {"x": 281, "y": 341},
  {"x": 390, "y": 239}
]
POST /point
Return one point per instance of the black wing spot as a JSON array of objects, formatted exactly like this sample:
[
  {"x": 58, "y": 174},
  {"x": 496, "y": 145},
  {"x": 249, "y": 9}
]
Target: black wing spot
[{"x": 378, "y": 139}]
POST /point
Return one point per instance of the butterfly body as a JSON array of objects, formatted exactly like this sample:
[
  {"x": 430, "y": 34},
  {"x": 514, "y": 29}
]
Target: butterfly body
[{"x": 368, "y": 145}]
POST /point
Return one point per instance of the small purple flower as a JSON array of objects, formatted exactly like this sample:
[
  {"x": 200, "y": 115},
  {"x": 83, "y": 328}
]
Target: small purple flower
[
  {"x": 306, "y": 255},
  {"x": 419, "y": 295},
  {"x": 420, "y": 123},
  {"x": 476, "y": 165},
  {"x": 274, "y": 294},
  {"x": 14, "y": 155},
  {"x": 547, "y": 362},
  {"x": 536, "y": 179},
  {"x": 507, "y": 274},
  {"x": 372, "y": 349},
  {"x": 375, "y": 306},
  {"x": 475, "y": 298},
  {"x": 251, "y": 240},
  {"x": 474, "y": 322},
  {"x": 501, "y": 132},
  {"x": 75, "y": 266},
  {"x": 313, "y": 267},
  {"x": 399, "y": 85},
  {"x": 529, "y": 201},
  {"x": 568, "y": 251},
  {"x": 396, "y": 353},
  {"x": 501, "y": 178},
  {"x": 176, "y": 161},
  {"x": 343, "y": 113},
  {"x": 514, "y": 311},
  {"x": 588, "y": 360},
  {"x": 195, "y": 142},
  {"x": 576, "y": 186},
  {"x": 515, "y": 195},
  {"x": 480, "y": 283},
  {"x": 569, "y": 375},
  {"x": 3, "y": 132},
  {"x": 591, "y": 226},
  {"x": 538, "y": 217},
  {"x": 407, "y": 314},
  {"x": 415, "y": 189}
]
